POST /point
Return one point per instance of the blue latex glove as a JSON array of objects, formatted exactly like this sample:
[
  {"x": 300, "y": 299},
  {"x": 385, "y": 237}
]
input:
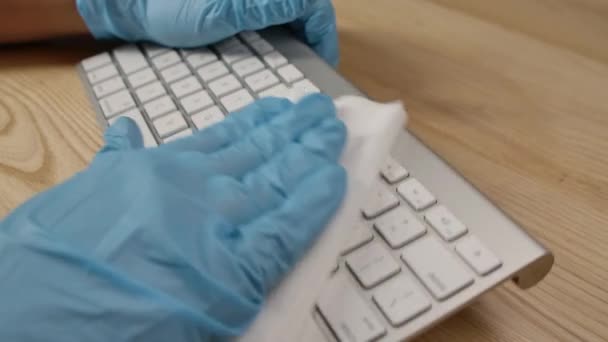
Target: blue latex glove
[
  {"x": 190, "y": 23},
  {"x": 176, "y": 243}
]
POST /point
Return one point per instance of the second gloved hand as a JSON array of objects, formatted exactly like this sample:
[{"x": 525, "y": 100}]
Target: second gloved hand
[
  {"x": 176, "y": 243},
  {"x": 192, "y": 23}
]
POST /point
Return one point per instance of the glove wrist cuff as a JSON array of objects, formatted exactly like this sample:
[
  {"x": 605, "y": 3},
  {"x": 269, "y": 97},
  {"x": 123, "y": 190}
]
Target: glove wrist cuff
[{"x": 93, "y": 17}]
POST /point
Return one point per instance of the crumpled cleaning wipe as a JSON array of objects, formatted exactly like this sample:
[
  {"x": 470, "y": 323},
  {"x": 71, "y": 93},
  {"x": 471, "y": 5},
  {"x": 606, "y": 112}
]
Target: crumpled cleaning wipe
[{"x": 372, "y": 130}]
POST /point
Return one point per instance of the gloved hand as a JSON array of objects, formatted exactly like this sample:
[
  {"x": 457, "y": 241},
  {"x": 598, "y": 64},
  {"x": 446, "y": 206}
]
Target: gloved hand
[
  {"x": 191, "y": 23},
  {"x": 176, "y": 243}
]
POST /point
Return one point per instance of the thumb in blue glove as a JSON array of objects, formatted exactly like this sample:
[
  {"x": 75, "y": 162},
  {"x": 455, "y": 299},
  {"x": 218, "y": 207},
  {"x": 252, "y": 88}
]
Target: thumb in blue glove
[
  {"x": 192, "y": 23},
  {"x": 177, "y": 243}
]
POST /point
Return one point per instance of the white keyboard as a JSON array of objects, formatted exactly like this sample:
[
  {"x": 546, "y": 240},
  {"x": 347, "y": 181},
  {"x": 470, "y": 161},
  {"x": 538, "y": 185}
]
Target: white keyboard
[{"x": 409, "y": 263}]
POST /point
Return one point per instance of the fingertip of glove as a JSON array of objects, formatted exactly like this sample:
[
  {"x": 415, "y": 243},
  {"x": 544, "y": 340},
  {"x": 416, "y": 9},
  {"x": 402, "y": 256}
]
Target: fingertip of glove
[{"x": 316, "y": 104}]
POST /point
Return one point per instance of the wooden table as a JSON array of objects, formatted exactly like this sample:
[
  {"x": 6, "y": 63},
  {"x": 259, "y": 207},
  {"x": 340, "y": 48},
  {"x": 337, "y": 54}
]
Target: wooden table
[{"x": 514, "y": 94}]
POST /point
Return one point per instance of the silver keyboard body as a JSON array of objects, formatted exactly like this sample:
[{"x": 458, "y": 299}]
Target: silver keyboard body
[{"x": 520, "y": 257}]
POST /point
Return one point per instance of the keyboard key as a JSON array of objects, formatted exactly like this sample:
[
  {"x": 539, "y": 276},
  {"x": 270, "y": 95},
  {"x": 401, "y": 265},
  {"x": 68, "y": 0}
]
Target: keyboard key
[
  {"x": 480, "y": 258},
  {"x": 201, "y": 57},
  {"x": 372, "y": 264},
  {"x": 207, "y": 117},
  {"x": 146, "y": 134},
  {"x": 445, "y": 223},
  {"x": 347, "y": 313},
  {"x": 185, "y": 133},
  {"x": 159, "y": 107},
  {"x": 290, "y": 73},
  {"x": 150, "y": 92},
  {"x": 381, "y": 201},
  {"x": 227, "y": 44},
  {"x": 416, "y": 194},
  {"x": 401, "y": 300},
  {"x": 108, "y": 87},
  {"x": 436, "y": 267},
  {"x": 275, "y": 59},
  {"x": 153, "y": 50},
  {"x": 142, "y": 77},
  {"x": 236, "y": 100},
  {"x": 175, "y": 72},
  {"x": 357, "y": 237},
  {"x": 102, "y": 74},
  {"x": 186, "y": 86},
  {"x": 247, "y": 66},
  {"x": 224, "y": 85},
  {"x": 197, "y": 101},
  {"x": 96, "y": 61},
  {"x": 393, "y": 172},
  {"x": 250, "y": 36},
  {"x": 130, "y": 58},
  {"x": 261, "y": 80},
  {"x": 261, "y": 46},
  {"x": 280, "y": 90},
  {"x": 236, "y": 54},
  {"x": 170, "y": 124},
  {"x": 399, "y": 227},
  {"x": 305, "y": 87},
  {"x": 212, "y": 71},
  {"x": 165, "y": 60},
  {"x": 116, "y": 103}
]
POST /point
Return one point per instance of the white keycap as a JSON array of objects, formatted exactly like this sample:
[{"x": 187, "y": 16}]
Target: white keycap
[
  {"x": 280, "y": 90},
  {"x": 248, "y": 66},
  {"x": 197, "y": 101},
  {"x": 399, "y": 227},
  {"x": 96, "y": 61},
  {"x": 380, "y": 201},
  {"x": 393, "y": 172},
  {"x": 372, "y": 264},
  {"x": 261, "y": 80},
  {"x": 416, "y": 194},
  {"x": 436, "y": 267},
  {"x": 290, "y": 73},
  {"x": 185, "y": 133},
  {"x": 480, "y": 258},
  {"x": 175, "y": 72},
  {"x": 305, "y": 87},
  {"x": 159, "y": 107},
  {"x": 135, "y": 115},
  {"x": 170, "y": 124},
  {"x": 445, "y": 223},
  {"x": 142, "y": 77},
  {"x": 186, "y": 86},
  {"x": 130, "y": 58},
  {"x": 165, "y": 60},
  {"x": 227, "y": 44},
  {"x": 212, "y": 71},
  {"x": 200, "y": 58},
  {"x": 401, "y": 300},
  {"x": 102, "y": 74},
  {"x": 150, "y": 91},
  {"x": 155, "y": 50},
  {"x": 116, "y": 103},
  {"x": 236, "y": 54},
  {"x": 275, "y": 59},
  {"x": 358, "y": 236},
  {"x": 348, "y": 315},
  {"x": 224, "y": 85},
  {"x": 261, "y": 46},
  {"x": 236, "y": 100},
  {"x": 108, "y": 87},
  {"x": 250, "y": 36},
  {"x": 207, "y": 117}
]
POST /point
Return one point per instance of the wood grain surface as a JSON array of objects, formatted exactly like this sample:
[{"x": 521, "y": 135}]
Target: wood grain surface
[{"x": 514, "y": 94}]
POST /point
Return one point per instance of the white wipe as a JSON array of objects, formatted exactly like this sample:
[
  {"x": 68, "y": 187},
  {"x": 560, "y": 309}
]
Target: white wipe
[{"x": 372, "y": 130}]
